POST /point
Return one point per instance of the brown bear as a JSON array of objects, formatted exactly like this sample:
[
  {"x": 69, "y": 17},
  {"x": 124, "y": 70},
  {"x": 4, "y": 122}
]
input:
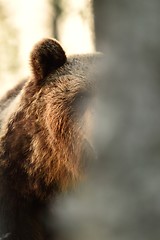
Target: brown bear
[{"x": 44, "y": 138}]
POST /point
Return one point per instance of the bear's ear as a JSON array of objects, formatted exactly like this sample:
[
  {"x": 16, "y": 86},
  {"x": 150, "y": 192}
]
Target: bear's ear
[{"x": 47, "y": 55}]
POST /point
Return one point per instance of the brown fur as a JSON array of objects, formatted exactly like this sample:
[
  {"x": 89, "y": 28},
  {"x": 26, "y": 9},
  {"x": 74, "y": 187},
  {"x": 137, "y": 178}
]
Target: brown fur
[
  {"x": 46, "y": 56},
  {"x": 42, "y": 141}
]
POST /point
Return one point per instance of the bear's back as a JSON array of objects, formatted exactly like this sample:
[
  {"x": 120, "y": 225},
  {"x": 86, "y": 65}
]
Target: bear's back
[{"x": 8, "y": 102}]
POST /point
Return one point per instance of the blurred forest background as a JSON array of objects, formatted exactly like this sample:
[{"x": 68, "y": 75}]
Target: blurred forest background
[
  {"x": 23, "y": 23},
  {"x": 121, "y": 200}
]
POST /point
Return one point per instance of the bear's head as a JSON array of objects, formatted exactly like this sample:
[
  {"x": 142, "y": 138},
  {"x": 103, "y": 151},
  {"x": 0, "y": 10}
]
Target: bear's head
[{"x": 48, "y": 138}]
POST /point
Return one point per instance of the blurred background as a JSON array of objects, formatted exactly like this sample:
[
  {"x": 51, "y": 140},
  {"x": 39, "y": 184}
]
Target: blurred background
[{"x": 121, "y": 199}]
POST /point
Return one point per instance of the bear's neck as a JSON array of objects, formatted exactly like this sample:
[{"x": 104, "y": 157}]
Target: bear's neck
[{"x": 27, "y": 159}]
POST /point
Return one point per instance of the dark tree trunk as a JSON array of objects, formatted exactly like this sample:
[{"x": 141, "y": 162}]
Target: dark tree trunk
[{"x": 129, "y": 33}]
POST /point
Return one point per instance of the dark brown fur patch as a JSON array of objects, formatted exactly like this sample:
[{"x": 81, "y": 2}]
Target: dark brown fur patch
[{"x": 46, "y": 56}]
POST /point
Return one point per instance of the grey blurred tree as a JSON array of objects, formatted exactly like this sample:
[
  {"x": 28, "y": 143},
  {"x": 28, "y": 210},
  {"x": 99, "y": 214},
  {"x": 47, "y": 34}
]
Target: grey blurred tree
[
  {"x": 57, "y": 9},
  {"x": 122, "y": 198}
]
